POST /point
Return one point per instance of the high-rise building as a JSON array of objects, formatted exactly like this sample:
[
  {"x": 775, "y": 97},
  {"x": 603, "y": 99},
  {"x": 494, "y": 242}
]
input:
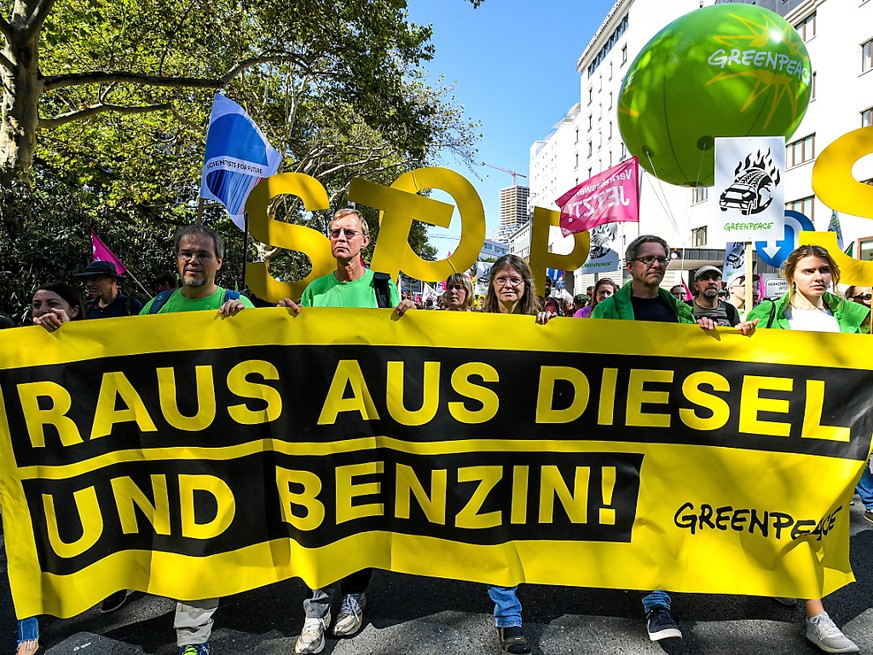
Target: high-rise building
[{"x": 513, "y": 210}]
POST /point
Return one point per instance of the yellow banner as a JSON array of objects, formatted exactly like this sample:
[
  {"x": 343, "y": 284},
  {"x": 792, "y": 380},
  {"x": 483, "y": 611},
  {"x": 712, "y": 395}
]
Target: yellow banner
[{"x": 190, "y": 456}]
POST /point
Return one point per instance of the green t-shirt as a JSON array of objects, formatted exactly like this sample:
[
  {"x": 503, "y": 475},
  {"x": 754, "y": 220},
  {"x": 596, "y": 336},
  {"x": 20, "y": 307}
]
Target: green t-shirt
[
  {"x": 179, "y": 303},
  {"x": 327, "y": 291}
]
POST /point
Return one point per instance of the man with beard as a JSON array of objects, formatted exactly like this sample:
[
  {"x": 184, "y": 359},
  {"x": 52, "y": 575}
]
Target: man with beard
[
  {"x": 706, "y": 287},
  {"x": 199, "y": 253}
]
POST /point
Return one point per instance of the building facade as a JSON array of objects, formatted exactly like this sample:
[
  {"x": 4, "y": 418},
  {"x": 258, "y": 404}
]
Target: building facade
[{"x": 839, "y": 37}]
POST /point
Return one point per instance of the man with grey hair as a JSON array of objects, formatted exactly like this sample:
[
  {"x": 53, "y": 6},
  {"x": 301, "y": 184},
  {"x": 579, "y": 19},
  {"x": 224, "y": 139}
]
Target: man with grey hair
[
  {"x": 643, "y": 299},
  {"x": 350, "y": 285}
]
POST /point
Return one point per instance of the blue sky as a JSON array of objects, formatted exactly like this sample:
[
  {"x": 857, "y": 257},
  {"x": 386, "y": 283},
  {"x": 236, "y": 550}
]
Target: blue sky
[{"x": 513, "y": 63}]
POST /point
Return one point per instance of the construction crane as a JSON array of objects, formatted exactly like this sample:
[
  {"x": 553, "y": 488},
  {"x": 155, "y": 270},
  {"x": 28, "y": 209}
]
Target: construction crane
[{"x": 506, "y": 170}]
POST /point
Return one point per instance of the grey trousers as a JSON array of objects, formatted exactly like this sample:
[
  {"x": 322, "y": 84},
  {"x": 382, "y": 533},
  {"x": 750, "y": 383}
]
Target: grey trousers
[
  {"x": 193, "y": 621},
  {"x": 317, "y": 602}
]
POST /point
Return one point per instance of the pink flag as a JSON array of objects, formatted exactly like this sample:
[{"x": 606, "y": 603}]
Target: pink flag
[
  {"x": 101, "y": 253},
  {"x": 688, "y": 294},
  {"x": 608, "y": 197}
]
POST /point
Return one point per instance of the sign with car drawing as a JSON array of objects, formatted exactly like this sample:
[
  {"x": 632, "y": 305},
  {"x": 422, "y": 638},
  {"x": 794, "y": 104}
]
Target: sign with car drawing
[{"x": 749, "y": 188}]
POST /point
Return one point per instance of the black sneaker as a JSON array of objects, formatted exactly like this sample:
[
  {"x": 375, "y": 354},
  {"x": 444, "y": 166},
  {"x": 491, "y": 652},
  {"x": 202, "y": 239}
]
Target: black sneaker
[
  {"x": 512, "y": 641},
  {"x": 114, "y": 601},
  {"x": 661, "y": 624}
]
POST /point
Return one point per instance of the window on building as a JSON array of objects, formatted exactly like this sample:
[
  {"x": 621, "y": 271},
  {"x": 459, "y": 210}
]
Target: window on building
[
  {"x": 610, "y": 70},
  {"x": 610, "y": 158},
  {"x": 600, "y": 82},
  {"x": 806, "y": 27},
  {"x": 590, "y": 121},
  {"x": 804, "y": 205},
  {"x": 623, "y": 154},
  {"x": 812, "y": 87},
  {"x": 609, "y": 132},
  {"x": 698, "y": 237},
  {"x": 624, "y": 54},
  {"x": 800, "y": 151},
  {"x": 699, "y": 194},
  {"x": 867, "y": 117},
  {"x": 610, "y": 100},
  {"x": 865, "y": 249},
  {"x": 589, "y": 172},
  {"x": 590, "y": 148},
  {"x": 577, "y": 136},
  {"x": 867, "y": 56},
  {"x": 590, "y": 96},
  {"x": 577, "y": 160}
]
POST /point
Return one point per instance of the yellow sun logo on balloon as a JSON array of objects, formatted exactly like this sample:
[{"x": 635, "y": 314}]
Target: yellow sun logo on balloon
[{"x": 774, "y": 74}]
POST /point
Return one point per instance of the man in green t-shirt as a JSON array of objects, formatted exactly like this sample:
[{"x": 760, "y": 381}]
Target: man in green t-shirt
[
  {"x": 199, "y": 253},
  {"x": 350, "y": 285}
]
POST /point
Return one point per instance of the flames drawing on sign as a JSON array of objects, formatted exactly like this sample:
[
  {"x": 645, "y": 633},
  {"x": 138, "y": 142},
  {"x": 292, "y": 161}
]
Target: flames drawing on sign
[{"x": 752, "y": 189}]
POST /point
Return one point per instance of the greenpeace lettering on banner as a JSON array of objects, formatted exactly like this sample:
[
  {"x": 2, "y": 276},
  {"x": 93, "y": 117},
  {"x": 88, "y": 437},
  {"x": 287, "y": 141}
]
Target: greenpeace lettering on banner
[
  {"x": 752, "y": 521},
  {"x": 263, "y": 450},
  {"x": 763, "y": 59}
]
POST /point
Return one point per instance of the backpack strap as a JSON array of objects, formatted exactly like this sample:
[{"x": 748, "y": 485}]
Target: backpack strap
[
  {"x": 160, "y": 300},
  {"x": 380, "y": 286},
  {"x": 772, "y": 314},
  {"x": 732, "y": 312}
]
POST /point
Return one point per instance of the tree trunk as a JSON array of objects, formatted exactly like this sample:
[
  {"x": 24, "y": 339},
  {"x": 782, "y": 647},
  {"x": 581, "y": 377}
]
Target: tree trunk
[{"x": 22, "y": 88}]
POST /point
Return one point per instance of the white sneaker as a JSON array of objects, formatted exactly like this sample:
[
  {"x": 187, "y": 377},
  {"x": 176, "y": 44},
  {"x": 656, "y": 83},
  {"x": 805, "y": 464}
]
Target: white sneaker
[
  {"x": 311, "y": 639},
  {"x": 824, "y": 633},
  {"x": 351, "y": 615}
]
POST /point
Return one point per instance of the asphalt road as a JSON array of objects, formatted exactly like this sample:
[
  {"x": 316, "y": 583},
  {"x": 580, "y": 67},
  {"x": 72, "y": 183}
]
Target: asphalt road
[{"x": 412, "y": 615}]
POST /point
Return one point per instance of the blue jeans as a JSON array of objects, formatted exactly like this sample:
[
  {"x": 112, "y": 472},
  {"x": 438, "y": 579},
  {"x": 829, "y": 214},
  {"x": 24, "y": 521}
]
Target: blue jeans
[
  {"x": 865, "y": 488},
  {"x": 28, "y": 630},
  {"x": 655, "y": 598},
  {"x": 507, "y": 607}
]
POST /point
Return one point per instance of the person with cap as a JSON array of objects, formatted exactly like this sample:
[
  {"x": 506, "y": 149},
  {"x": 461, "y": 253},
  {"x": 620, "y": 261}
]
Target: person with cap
[
  {"x": 101, "y": 279},
  {"x": 705, "y": 288},
  {"x": 736, "y": 287}
]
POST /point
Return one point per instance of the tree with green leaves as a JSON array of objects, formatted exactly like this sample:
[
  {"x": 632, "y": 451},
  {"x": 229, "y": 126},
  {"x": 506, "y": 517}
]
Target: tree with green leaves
[{"x": 110, "y": 99}]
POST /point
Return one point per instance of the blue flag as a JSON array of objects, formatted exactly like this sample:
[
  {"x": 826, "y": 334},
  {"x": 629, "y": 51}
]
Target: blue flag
[
  {"x": 834, "y": 226},
  {"x": 238, "y": 156}
]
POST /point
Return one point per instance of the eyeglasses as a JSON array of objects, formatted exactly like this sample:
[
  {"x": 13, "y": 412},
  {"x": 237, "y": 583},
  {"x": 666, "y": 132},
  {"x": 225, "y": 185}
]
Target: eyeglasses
[
  {"x": 510, "y": 281},
  {"x": 350, "y": 234},
  {"x": 863, "y": 296},
  {"x": 187, "y": 256},
  {"x": 649, "y": 260}
]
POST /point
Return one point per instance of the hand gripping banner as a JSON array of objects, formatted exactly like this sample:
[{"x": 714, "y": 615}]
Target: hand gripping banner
[{"x": 193, "y": 457}]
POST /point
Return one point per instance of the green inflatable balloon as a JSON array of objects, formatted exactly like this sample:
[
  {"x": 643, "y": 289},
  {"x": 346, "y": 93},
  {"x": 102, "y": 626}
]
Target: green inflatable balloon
[{"x": 719, "y": 71}]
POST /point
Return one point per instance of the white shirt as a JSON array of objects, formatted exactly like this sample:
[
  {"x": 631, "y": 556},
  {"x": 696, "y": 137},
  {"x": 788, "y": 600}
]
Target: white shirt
[{"x": 811, "y": 320}]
